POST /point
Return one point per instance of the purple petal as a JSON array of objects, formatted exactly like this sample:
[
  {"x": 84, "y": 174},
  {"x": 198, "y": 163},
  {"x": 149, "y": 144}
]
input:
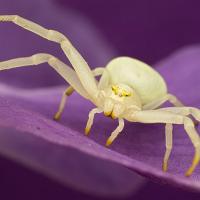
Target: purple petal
[
  {"x": 142, "y": 29},
  {"x": 17, "y": 42},
  {"x": 140, "y": 147},
  {"x": 31, "y": 111},
  {"x": 67, "y": 165}
]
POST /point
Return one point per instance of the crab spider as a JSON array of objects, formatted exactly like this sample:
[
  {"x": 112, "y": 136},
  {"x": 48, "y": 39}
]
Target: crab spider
[{"x": 128, "y": 89}]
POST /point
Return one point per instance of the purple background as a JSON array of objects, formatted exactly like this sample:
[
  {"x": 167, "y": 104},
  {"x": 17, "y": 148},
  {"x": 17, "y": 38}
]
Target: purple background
[{"x": 149, "y": 30}]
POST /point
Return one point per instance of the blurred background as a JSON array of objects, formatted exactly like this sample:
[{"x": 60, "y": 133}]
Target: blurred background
[{"x": 146, "y": 29}]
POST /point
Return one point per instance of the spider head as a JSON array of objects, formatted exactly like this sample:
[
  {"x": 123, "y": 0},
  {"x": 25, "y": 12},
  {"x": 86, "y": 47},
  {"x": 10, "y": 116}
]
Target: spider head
[
  {"x": 119, "y": 98},
  {"x": 121, "y": 90}
]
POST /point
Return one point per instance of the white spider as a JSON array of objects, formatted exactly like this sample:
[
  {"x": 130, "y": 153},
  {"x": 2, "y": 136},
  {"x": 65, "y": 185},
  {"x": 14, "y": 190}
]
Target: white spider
[{"x": 128, "y": 89}]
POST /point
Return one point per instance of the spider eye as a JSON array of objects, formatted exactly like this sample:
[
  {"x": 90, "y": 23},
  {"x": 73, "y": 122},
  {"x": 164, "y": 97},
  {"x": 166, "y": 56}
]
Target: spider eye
[
  {"x": 120, "y": 91},
  {"x": 127, "y": 95},
  {"x": 115, "y": 89}
]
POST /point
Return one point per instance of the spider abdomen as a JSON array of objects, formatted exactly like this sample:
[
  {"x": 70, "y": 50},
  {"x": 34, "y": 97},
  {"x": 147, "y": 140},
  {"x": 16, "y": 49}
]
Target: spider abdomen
[{"x": 147, "y": 82}]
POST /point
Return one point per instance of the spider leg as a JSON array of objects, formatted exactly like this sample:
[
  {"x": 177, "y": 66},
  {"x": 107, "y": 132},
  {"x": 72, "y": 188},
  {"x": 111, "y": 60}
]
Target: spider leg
[
  {"x": 63, "y": 101},
  {"x": 79, "y": 64},
  {"x": 66, "y": 72},
  {"x": 96, "y": 72},
  {"x": 158, "y": 116},
  {"x": 168, "y": 144},
  {"x": 116, "y": 132},
  {"x": 195, "y": 112},
  {"x": 91, "y": 119},
  {"x": 104, "y": 80},
  {"x": 157, "y": 103}
]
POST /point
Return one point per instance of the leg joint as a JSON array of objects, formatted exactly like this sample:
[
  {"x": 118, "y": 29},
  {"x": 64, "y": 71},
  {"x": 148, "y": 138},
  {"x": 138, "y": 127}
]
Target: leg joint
[
  {"x": 55, "y": 36},
  {"x": 188, "y": 122},
  {"x": 69, "y": 91}
]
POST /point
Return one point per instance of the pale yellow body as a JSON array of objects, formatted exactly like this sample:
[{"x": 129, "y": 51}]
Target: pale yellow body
[
  {"x": 127, "y": 90},
  {"x": 147, "y": 82}
]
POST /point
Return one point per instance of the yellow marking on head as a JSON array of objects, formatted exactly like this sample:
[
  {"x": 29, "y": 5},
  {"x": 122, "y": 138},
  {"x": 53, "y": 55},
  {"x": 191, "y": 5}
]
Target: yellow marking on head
[
  {"x": 115, "y": 89},
  {"x": 120, "y": 91}
]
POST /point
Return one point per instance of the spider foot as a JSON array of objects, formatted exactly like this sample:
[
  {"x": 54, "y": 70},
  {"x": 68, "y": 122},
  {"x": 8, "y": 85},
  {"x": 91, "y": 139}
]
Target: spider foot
[
  {"x": 108, "y": 142},
  {"x": 87, "y": 130},
  {"x": 195, "y": 162},
  {"x": 57, "y": 116},
  {"x": 165, "y": 166}
]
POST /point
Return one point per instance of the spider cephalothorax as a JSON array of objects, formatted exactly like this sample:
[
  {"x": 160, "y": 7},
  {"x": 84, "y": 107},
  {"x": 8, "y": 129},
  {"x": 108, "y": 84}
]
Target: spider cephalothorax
[
  {"x": 119, "y": 99},
  {"x": 122, "y": 90},
  {"x": 128, "y": 89}
]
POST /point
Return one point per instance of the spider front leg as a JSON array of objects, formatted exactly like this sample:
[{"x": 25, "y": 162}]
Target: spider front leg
[
  {"x": 116, "y": 132},
  {"x": 158, "y": 116},
  {"x": 91, "y": 119},
  {"x": 66, "y": 72},
  {"x": 113, "y": 135},
  {"x": 157, "y": 103},
  {"x": 103, "y": 83},
  {"x": 79, "y": 64},
  {"x": 96, "y": 72}
]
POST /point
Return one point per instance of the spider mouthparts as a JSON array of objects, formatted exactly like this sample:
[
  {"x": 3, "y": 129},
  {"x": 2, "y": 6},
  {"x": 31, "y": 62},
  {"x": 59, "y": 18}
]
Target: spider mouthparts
[
  {"x": 113, "y": 116},
  {"x": 110, "y": 114},
  {"x": 107, "y": 114}
]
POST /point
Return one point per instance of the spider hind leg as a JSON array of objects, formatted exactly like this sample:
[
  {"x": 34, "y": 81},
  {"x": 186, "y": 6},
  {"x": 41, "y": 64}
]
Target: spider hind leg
[
  {"x": 164, "y": 116},
  {"x": 169, "y": 139},
  {"x": 61, "y": 107}
]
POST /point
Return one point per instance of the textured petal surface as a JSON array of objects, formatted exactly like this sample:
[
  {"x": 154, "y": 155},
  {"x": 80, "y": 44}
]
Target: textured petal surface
[
  {"x": 143, "y": 29},
  {"x": 140, "y": 147},
  {"x": 29, "y": 136},
  {"x": 68, "y": 166},
  {"x": 74, "y": 169},
  {"x": 17, "y": 42}
]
